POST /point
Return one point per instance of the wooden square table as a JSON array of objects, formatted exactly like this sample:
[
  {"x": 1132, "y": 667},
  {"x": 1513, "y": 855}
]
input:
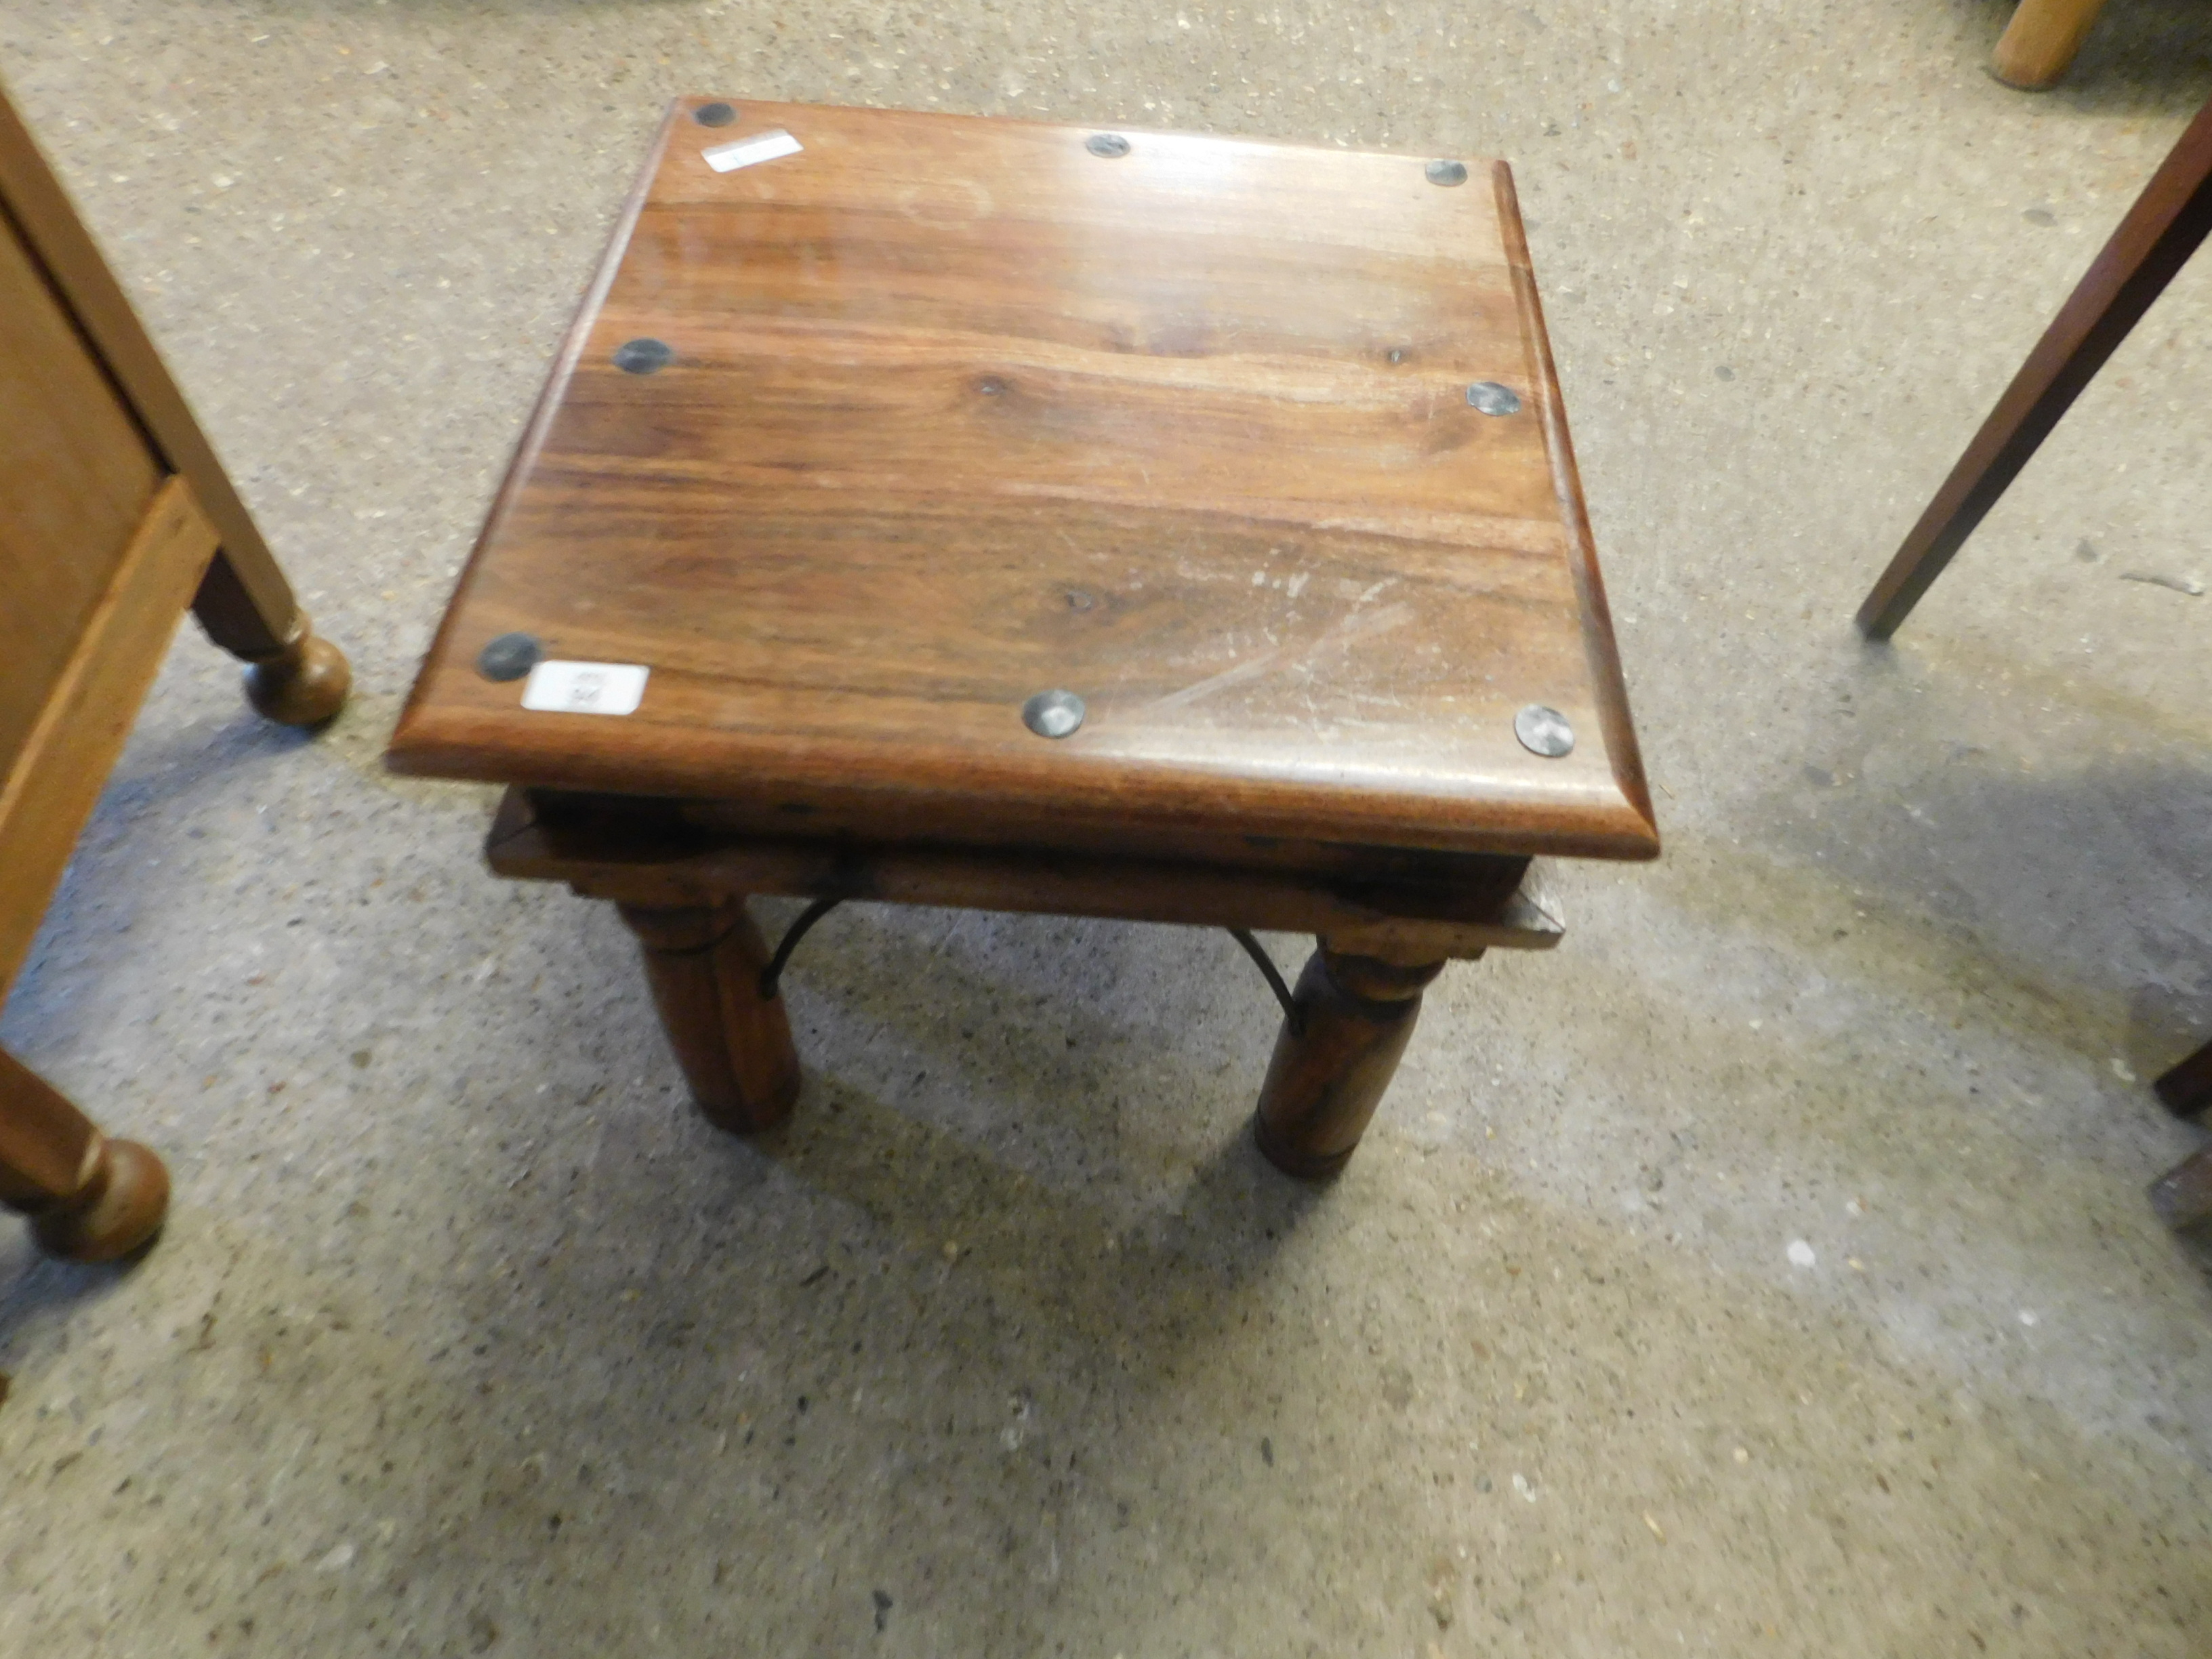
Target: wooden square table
[{"x": 935, "y": 510}]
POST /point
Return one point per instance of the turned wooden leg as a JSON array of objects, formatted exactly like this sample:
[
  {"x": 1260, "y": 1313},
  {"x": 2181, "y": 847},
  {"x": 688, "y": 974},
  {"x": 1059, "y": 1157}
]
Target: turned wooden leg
[
  {"x": 293, "y": 675},
  {"x": 89, "y": 1199},
  {"x": 2041, "y": 40},
  {"x": 1349, "y": 1022},
  {"x": 734, "y": 1044}
]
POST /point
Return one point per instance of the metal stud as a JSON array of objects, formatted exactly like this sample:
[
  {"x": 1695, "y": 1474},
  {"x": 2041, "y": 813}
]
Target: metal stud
[
  {"x": 714, "y": 115},
  {"x": 1544, "y": 731},
  {"x": 1110, "y": 145},
  {"x": 509, "y": 657},
  {"x": 1053, "y": 713},
  {"x": 1445, "y": 172},
  {"x": 643, "y": 356},
  {"x": 1488, "y": 398}
]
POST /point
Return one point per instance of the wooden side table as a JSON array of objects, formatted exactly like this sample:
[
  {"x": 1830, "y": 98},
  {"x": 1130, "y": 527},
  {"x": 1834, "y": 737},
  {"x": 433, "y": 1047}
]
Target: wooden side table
[
  {"x": 935, "y": 510},
  {"x": 114, "y": 516}
]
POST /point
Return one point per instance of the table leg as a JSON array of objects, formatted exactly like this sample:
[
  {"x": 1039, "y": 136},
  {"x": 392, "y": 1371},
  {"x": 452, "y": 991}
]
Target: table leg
[
  {"x": 2154, "y": 240},
  {"x": 293, "y": 675},
  {"x": 2041, "y": 40},
  {"x": 734, "y": 1044},
  {"x": 1350, "y": 1017},
  {"x": 89, "y": 1199}
]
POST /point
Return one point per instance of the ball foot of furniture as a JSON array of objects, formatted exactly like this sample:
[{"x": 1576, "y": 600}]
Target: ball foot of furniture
[
  {"x": 304, "y": 684},
  {"x": 706, "y": 964},
  {"x": 2040, "y": 41},
  {"x": 122, "y": 1208},
  {"x": 1349, "y": 1021},
  {"x": 89, "y": 1199}
]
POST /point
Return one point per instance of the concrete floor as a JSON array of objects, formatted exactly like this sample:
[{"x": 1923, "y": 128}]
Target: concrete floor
[{"x": 466, "y": 1336}]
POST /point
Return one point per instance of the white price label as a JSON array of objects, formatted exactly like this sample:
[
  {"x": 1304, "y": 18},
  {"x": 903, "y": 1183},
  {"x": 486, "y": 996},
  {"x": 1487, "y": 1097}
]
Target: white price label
[
  {"x": 760, "y": 147},
  {"x": 584, "y": 688}
]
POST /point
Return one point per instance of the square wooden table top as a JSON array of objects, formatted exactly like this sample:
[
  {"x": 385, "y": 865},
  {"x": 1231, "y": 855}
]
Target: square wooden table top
[{"x": 862, "y": 443}]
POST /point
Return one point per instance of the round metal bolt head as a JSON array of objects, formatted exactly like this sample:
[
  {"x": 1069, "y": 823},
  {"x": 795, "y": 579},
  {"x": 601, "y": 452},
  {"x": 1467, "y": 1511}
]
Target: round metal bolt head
[
  {"x": 1053, "y": 713},
  {"x": 509, "y": 657},
  {"x": 1544, "y": 731},
  {"x": 1111, "y": 145},
  {"x": 643, "y": 356},
  {"x": 1488, "y": 398},
  {"x": 714, "y": 115},
  {"x": 1445, "y": 172}
]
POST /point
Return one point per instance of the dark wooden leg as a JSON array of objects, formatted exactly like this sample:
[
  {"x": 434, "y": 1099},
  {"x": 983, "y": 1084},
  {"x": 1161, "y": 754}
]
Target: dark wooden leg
[
  {"x": 293, "y": 675},
  {"x": 2159, "y": 232},
  {"x": 89, "y": 1199},
  {"x": 733, "y": 1043},
  {"x": 1351, "y": 1019},
  {"x": 2183, "y": 1195},
  {"x": 2187, "y": 1088}
]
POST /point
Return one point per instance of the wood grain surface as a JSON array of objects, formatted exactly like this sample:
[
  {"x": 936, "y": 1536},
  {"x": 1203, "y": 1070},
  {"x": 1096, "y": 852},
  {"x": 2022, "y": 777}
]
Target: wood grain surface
[
  {"x": 75, "y": 479},
  {"x": 957, "y": 411},
  {"x": 49, "y": 784},
  {"x": 244, "y": 604}
]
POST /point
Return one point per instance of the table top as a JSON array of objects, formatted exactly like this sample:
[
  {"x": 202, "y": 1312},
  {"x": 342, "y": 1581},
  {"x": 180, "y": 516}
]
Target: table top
[{"x": 866, "y": 437}]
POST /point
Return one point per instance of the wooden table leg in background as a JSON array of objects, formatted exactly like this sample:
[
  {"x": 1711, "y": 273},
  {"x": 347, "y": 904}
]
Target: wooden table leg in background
[
  {"x": 89, "y": 1199},
  {"x": 2041, "y": 40},
  {"x": 705, "y": 965},
  {"x": 2155, "y": 240},
  {"x": 1349, "y": 1022}
]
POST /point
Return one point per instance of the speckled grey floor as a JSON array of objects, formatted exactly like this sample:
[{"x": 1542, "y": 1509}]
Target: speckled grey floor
[{"x": 467, "y": 1337}]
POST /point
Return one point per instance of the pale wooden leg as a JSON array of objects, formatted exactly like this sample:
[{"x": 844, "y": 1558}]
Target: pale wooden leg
[
  {"x": 734, "y": 1044},
  {"x": 89, "y": 1199},
  {"x": 2041, "y": 40},
  {"x": 1350, "y": 1020}
]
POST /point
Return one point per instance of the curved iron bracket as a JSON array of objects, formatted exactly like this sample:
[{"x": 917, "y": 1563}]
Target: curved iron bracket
[
  {"x": 1266, "y": 964},
  {"x": 773, "y": 973}
]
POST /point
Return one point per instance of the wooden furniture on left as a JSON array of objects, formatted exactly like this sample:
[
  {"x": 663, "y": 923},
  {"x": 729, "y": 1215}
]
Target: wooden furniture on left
[
  {"x": 115, "y": 517},
  {"x": 938, "y": 511}
]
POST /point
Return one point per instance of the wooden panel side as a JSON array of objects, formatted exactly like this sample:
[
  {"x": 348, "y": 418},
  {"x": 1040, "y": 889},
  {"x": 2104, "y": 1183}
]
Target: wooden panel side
[
  {"x": 52, "y": 781},
  {"x": 51, "y": 226},
  {"x": 75, "y": 479}
]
